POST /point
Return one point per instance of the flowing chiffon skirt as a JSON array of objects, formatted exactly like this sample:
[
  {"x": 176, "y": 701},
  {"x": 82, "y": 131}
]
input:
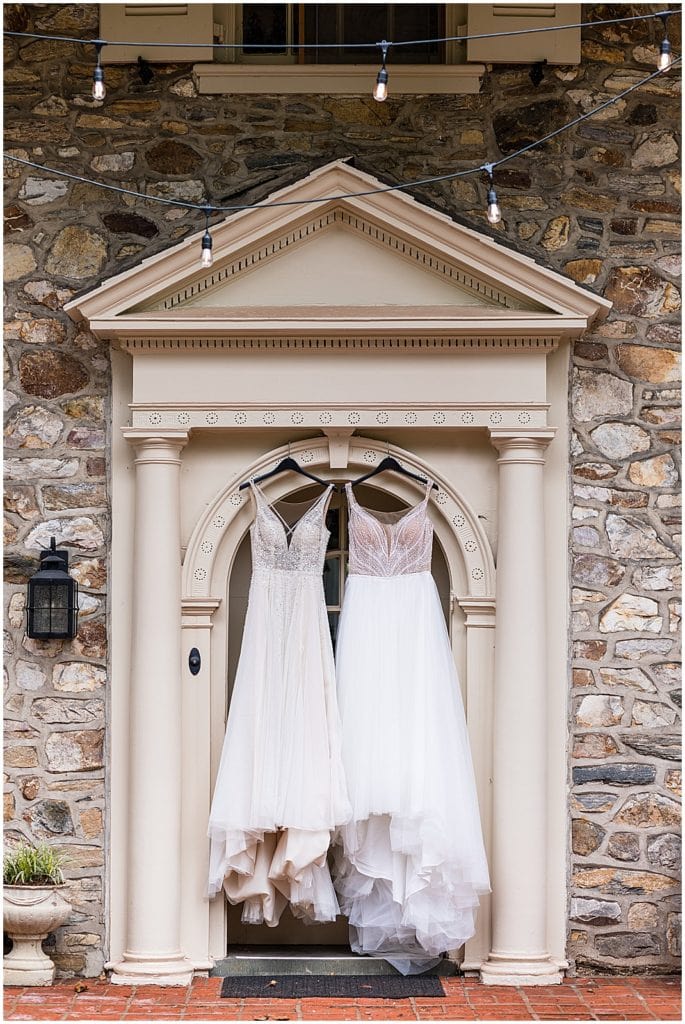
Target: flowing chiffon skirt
[
  {"x": 410, "y": 864},
  {"x": 280, "y": 790}
]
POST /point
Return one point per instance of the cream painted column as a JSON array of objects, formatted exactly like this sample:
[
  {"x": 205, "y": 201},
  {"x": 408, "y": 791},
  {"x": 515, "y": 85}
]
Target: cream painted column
[
  {"x": 152, "y": 952},
  {"x": 519, "y": 953}
]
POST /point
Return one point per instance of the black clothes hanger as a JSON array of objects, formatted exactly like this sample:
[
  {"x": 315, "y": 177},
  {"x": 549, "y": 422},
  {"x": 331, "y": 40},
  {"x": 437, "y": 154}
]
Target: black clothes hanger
[
  {"x": 288, "y": 463},
  {"x": 389, "y": 462}
]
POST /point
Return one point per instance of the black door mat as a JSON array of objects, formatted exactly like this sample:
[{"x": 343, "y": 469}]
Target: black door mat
[{"x": 299, "y": 986}]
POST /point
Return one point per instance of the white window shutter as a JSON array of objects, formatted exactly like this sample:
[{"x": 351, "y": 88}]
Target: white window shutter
[
  {"x": 149, "y": 23},
  {"x": 561, "y": 47}
]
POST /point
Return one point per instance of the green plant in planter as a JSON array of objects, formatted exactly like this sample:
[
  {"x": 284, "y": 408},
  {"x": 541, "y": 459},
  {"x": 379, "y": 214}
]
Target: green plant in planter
[
  {"x": 33, "y": 865},
  {"x": 33, "y": 906}
]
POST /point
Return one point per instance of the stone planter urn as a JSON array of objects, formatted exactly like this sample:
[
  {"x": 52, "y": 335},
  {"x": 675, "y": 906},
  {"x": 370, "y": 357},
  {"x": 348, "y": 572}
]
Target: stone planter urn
[{"x": 31, "y": 912}]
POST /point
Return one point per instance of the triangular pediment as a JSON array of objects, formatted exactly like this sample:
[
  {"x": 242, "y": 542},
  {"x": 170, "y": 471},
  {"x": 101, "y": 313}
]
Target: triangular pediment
[
  {"x": 313, "y": 251},
  {"x": 338, "y": 260}
]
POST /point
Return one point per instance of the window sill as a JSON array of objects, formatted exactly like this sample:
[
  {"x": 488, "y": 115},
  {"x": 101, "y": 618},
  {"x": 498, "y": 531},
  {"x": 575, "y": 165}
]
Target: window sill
[{"x": 341, "y": 79}]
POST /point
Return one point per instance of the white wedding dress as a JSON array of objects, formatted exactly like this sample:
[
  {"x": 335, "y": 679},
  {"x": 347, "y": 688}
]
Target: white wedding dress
[
  {"x": 410, "y": 864},
  {"x": 280, "y": 790}
]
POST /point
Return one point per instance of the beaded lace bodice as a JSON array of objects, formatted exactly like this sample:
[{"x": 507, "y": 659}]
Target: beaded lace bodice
[
  {"x": 389, "y": 543},
  {"x": 297, "y": 547}
]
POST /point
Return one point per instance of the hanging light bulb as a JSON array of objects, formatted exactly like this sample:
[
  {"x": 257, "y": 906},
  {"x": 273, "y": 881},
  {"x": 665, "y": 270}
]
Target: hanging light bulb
[
  {"x": 665, "y": 55},
  {"x": 98, "y": 76},
  {"x": 494, "y": 214},
  {"x": 206, "y": 258},
  {"x": 380, "y": 89}
]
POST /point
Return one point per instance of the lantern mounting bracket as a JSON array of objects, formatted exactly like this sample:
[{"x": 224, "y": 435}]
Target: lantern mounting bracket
[{"x": 57, "y": 559}]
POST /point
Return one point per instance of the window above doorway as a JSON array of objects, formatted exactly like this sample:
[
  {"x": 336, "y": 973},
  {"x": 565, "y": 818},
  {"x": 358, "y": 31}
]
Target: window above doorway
[
  {"x": 266, "y": 57},
  {"x": 426, "y": 67},
  {"x": 325, "y": 25}
]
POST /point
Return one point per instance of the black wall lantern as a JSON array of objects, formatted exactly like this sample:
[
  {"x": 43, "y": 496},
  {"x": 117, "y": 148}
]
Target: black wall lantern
[{"x": 52, "y": 605}]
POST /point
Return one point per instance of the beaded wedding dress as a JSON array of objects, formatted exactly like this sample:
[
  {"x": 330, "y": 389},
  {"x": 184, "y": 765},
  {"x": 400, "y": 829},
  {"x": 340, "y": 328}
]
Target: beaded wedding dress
[
  {"x": 280, "y": 790},
  {"x": 410, "y": 863}
]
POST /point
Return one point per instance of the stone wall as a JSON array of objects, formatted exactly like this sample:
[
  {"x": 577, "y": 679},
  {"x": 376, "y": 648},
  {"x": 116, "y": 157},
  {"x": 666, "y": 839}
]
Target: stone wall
[{"x": 599, "y": 203}]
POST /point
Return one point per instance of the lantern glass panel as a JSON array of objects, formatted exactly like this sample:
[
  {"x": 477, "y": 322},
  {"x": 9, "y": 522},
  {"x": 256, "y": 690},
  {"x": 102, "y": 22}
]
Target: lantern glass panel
[
  {"x": 59, "y": 608},
  {"x": 52, "y": 608}
]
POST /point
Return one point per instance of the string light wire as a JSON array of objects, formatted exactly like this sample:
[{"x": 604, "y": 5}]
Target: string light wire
[
  {"x": 209, "y": 208},
  {"x": 346, "y": 46}
]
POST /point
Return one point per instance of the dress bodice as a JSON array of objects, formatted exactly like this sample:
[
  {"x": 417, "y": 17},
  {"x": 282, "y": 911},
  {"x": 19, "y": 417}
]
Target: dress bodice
[
  {"x": 297, "y": 547},
  {"x": 389, "y": 543}
]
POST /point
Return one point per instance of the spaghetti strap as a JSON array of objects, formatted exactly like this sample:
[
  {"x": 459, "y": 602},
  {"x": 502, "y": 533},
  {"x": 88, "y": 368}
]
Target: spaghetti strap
[
  {"x": 257, "y": 495},
  {"x": 329, "y": 494}
]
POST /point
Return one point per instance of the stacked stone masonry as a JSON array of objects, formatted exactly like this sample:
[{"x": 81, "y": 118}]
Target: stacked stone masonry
[{"x": 599, "y": 204}]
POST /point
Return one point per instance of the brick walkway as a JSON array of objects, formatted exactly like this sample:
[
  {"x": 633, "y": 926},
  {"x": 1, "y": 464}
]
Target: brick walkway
[{"x": 576, "y": 999}]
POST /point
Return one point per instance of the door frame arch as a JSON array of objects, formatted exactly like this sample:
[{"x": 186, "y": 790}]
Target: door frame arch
[
  {"x": 453, "y": 516},
  {"x": 206, "y": 572}
]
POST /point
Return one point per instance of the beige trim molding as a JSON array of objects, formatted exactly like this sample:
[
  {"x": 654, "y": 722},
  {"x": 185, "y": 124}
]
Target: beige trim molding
[
  {"x": 397, "y": 218},
  {"x": 197, "y": 612},
  {"x": 165, "y": 417},
  {"x": 336, "y": 79},
  {"x": 142, "y": 336}
]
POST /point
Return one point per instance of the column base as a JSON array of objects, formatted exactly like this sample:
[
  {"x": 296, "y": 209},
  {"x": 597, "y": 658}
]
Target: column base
[
  {"x": 141, "y": 969},
  {"x": 512, "y": 970}
]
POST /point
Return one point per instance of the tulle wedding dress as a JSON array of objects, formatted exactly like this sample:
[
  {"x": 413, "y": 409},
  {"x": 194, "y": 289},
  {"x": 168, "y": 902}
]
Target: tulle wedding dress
[
  {"x": 410, "y": 864},
  {"x": 280, "y": 790}
]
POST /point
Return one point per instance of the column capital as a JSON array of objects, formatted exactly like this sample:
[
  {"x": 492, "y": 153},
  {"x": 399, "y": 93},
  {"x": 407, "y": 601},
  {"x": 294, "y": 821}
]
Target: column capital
[
  {"x": 156, "y": 446},
  {"x": 479, "y": 611},
  {"x": 532, "y": 437},
  {"x": 197, "y": 612},
  {"x": 522, "y": 445}
]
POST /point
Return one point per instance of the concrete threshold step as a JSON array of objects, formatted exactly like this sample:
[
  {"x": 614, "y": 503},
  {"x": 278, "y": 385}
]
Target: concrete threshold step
[{"x": 261, "y": 961}]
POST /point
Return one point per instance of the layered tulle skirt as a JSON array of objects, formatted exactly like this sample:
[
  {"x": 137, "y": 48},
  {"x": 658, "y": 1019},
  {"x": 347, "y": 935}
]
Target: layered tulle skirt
[
  {"x": 410, "y": 864},
  {"x": 280, "y": 790}
]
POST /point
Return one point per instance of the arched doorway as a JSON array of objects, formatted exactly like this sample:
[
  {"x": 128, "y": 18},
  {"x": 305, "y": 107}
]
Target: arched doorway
[{"x": 217, "y": 564}]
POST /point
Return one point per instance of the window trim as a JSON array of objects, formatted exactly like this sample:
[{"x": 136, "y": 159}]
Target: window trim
[
  {"x": 336, "y": 79},
  {"x": 285, "y": 76}
]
